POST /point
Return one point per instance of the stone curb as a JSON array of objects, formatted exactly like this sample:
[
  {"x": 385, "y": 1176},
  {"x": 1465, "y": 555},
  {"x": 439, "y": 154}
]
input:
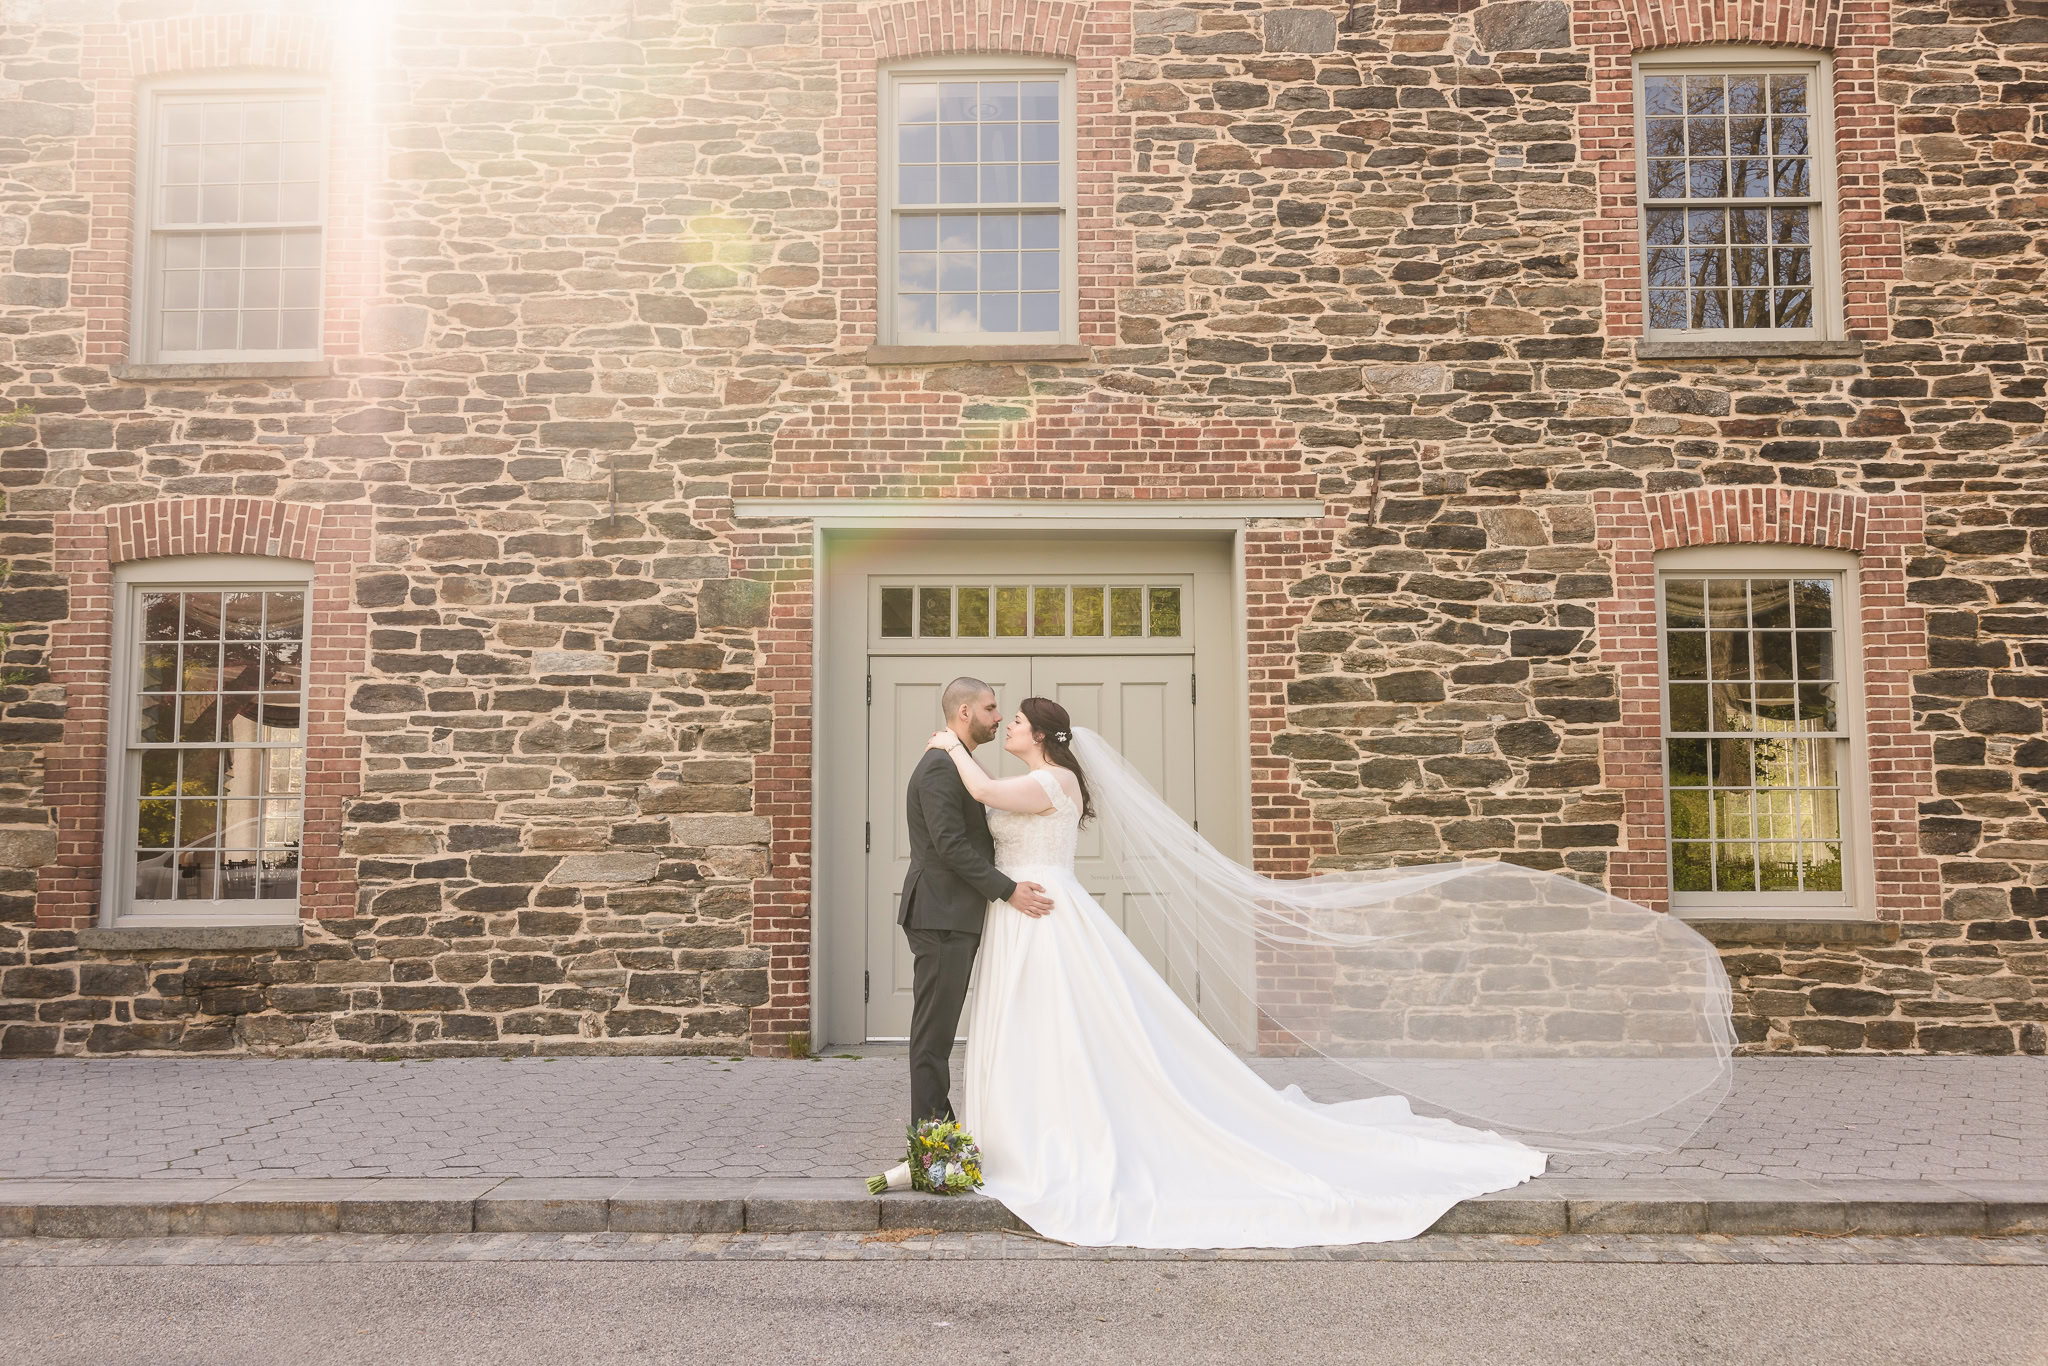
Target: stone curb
[{"x": 183, "y": 1206}]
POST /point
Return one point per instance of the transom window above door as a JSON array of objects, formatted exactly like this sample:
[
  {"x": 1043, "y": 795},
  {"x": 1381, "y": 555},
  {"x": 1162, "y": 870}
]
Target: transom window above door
[
  {"x": 977, "y": 185},
  {"x": 1077, "y": 613}
]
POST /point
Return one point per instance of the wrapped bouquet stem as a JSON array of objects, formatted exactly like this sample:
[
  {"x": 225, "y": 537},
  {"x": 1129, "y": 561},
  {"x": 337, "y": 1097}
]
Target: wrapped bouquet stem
[{"x": 943, "y": 1160}]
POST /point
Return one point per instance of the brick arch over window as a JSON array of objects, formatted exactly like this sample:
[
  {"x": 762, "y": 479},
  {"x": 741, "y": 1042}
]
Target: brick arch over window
[
  {"x": 1872, "y": 251},
  {"x": 924, "y": 28},
  {"x": 119, "y": 58},
  {"x": 226, "y": 42},
  {"x": 89, "y": 546},
  {"x": 901, "y": 441},
  {"x": 862, "y": 40},
  {"x": 1883, "y": 531},
  {"x": 212, "y": 526},
  {"x": 1779, "y": 23}
]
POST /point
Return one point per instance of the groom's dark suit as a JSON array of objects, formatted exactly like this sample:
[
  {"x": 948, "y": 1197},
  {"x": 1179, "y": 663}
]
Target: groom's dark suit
[{"x": 945, "y": 897}]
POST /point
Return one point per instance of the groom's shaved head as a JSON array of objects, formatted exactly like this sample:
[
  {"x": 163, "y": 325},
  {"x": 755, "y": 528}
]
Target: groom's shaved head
[{"x": 960, "y": 692}]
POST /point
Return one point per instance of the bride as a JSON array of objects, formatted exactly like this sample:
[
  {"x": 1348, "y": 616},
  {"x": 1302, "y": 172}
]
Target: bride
[{"x": 1109, "y": 1113}]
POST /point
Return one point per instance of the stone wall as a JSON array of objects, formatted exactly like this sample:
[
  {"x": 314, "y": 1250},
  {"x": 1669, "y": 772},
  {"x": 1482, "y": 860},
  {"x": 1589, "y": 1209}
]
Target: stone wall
[{"x": 595, "y": 270}]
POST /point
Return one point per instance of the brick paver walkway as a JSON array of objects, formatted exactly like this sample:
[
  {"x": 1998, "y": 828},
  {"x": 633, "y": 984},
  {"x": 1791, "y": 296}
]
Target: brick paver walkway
[{"x": 1806, "y": 1118}]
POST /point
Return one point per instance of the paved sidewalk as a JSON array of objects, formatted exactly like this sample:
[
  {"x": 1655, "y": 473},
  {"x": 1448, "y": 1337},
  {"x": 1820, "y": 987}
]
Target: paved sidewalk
[
  {"x": 153, "y": 1148},
  {"x": 1810, "y": 1119}
]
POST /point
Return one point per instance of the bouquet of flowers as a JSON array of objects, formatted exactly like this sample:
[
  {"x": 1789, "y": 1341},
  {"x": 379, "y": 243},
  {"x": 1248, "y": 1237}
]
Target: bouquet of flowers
[{"x": 943, "y": 1160}]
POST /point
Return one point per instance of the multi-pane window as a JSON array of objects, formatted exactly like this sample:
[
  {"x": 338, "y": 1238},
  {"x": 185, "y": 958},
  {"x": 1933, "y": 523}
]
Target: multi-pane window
[
  {"x": 977, "y": 237},
  {"x": 1757, "y": 737},
  {"x": 233, "y": 207},
  {"x": 210, "y": 789},
  {"x": 1081, "y": 611},
  {"x": 1735, "y": 193}
]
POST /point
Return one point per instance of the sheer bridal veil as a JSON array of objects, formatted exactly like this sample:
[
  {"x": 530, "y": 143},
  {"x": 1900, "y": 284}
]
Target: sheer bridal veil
[{"x": 1503, "y": 996}]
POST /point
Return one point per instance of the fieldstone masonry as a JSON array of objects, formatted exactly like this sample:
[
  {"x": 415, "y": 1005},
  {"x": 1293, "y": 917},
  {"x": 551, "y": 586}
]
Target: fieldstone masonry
[{"x": 596, "y": 269}]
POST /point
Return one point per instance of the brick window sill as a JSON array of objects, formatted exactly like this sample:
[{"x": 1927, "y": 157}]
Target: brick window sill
[
  {"x": 929, "y": 355},
  {"x": 250, "y": 369},
  {"x": 1805, "y": 348},
  {"x": 1731, "y": 932},
  {"x": 213, "y": 938}
]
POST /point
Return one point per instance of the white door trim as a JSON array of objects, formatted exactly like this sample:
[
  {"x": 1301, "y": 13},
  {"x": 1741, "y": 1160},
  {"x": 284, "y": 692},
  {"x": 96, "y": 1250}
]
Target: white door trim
[{"x": 1191, "y": 514}]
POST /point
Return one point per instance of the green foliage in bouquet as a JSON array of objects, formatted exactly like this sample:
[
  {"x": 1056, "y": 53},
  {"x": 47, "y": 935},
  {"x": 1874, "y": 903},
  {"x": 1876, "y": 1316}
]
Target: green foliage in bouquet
[{"x": 943, "y": 1160}]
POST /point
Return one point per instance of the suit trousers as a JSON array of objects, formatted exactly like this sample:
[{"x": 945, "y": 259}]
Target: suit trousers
[{"x": 942, "y": 964}]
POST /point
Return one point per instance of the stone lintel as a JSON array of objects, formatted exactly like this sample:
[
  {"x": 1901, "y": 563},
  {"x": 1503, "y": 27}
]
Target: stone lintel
[
  {"x": 1730, "y": 932},
  {"x": 207, "y": 938},
  {"x": 248, "y": 369},
  {"x": 935, "y": 355},
  {"x": 1761, "y": 349}
]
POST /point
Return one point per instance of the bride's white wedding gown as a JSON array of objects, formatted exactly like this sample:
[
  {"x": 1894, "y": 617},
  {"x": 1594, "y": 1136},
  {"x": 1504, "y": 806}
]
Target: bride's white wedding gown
[{"x": 1109, "y": 1114}]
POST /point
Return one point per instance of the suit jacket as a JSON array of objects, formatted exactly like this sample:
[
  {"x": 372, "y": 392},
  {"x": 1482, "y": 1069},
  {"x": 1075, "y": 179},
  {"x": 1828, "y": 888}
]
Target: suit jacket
[{"x": 953, "y": 875}]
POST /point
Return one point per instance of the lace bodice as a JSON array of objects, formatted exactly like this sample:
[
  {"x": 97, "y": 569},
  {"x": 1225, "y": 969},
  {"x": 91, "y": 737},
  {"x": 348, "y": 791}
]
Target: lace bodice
[{"x": 1040, "y": 839}]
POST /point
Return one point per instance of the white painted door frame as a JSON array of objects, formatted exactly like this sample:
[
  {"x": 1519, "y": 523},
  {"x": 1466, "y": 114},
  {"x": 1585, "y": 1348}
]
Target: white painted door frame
[{"x": 833, "y": 834}]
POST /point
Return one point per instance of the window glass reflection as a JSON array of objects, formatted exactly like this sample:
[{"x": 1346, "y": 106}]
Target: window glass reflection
[
  {"x": 1754, "y": 749},
  {"x": 217, "y": 753}
]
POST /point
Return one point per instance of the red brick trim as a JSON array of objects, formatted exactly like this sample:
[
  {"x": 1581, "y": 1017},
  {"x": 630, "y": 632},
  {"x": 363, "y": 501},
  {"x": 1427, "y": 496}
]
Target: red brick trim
[
  {"x": 1094, "y": 37},
  {"x": 212, "y": 526},
  {"x": 782, "y": 557},
  {"x": 1780, "y": 23},
  {"x": 88, "y": 547},
  {"x": 920, "y": 28},
  {"x": 1866, "y": 133},
  {"x": 1883, "y": 531},
  {"x": 898, "y": 440},
  {"x": 117, "y": 59},
  {"x": 1287, "y": 837}
]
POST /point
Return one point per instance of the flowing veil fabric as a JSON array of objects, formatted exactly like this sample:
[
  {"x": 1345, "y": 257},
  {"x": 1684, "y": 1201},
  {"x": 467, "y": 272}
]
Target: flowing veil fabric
[{"x": 1507, "y": 997}]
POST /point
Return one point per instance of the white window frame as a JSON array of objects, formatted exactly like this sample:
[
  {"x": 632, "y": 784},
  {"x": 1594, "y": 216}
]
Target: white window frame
[
  {"x": 1856, "y": 900},
  {"x": 143, "y": 326},
  {"x": 1827, "y": 239},
  {"x": 977, "y": 68},
  {"x": 192, "y": 573}
]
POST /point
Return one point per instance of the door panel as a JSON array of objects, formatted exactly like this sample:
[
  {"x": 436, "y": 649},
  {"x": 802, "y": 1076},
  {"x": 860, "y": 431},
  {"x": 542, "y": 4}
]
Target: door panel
[
  {"x": 1142, "y": 705},
  {"x": 901, "y": 718}
]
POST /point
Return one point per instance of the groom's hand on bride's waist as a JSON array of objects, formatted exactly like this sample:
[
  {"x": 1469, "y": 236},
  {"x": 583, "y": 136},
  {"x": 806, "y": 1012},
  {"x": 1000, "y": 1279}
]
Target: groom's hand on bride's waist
[{"x": 1031, "y": 899}]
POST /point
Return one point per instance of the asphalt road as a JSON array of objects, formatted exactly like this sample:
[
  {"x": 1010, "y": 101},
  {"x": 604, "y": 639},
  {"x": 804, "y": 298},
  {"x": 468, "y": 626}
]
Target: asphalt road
[{"x": 1243, "y": 1314}]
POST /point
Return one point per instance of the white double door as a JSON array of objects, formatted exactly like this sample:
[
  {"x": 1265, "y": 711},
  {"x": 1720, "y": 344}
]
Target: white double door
[{"x": 1142, "y": 704}]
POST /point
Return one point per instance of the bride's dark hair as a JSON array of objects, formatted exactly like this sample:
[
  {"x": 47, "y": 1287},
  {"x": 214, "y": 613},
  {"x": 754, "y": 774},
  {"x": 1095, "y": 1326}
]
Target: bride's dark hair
[{"x": 1055, "y": 732}]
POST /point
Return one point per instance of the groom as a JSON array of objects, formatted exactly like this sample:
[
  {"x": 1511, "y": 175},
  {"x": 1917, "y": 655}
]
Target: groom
[{"x": 952, "y": 879}]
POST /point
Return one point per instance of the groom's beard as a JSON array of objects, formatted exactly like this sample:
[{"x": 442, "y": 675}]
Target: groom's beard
[{"x": 978, "y": 734}]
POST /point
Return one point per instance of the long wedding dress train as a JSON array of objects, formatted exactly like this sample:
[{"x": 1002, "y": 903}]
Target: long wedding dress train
[{"x": 1109, "y": 1114}]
